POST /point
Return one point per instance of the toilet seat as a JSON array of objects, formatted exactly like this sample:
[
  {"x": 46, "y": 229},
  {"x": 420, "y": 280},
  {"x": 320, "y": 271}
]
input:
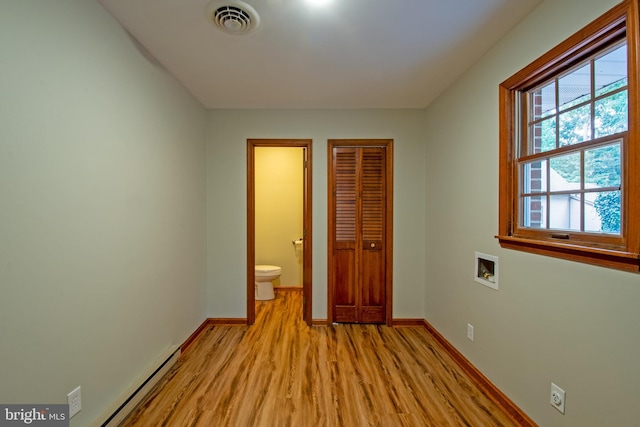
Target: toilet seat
[{"x": 267, "y": 270}]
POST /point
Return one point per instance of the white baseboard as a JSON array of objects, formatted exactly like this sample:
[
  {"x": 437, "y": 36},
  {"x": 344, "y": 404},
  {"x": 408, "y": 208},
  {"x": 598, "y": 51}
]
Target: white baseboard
[{"x": 138, "y": 389}]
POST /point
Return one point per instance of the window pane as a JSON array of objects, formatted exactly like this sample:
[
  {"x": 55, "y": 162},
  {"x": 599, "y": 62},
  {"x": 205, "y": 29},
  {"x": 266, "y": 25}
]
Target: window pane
[
  {"x": 543, "y": 101},
  {"x": 565, "y": 211},
  {"x": 575, "y": 87},
  {"x": 564, "y": 173},
  {"x": 533, "y": 210},
  {"x": 534, "y": 177},
  {"x": 575, "y": 126},
  {"x": 605, "y": 212},
  {"x": 602, "y": 166},
  {"x": 611, "y": 71},
  {"x": 543, "y": 135},
  {"x": 611, "y": 114}
]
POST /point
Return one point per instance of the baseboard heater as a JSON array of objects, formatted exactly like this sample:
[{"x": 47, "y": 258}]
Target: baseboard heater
[{"x": 138, "y": 389}]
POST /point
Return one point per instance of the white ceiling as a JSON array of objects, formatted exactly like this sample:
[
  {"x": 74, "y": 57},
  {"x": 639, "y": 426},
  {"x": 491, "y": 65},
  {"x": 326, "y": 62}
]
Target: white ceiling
[{"x": 348, "y": 54}]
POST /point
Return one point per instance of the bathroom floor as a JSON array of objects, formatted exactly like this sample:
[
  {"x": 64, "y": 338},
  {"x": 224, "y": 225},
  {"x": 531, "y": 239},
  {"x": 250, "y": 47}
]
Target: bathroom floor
[{"x": 280, "y": 372}]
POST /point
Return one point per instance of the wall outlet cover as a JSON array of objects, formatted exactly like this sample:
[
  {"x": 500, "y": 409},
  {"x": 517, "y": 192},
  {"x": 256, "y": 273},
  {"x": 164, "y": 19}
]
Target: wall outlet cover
[
  {"x": 557, "y": 397},
  {"x": 74, "y": 398}
]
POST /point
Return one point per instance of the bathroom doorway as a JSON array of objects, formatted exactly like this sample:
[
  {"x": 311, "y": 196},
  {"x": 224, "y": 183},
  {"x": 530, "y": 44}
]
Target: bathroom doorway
[{"x": 254, "y": 148}]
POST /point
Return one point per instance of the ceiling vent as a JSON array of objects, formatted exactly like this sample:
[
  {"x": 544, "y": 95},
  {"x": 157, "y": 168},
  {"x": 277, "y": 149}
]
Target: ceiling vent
[{"x": 233, "y": 17}]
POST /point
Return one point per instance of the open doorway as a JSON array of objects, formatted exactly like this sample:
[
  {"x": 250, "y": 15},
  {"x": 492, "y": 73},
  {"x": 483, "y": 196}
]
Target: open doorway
[{"x": 252, "y": 146}]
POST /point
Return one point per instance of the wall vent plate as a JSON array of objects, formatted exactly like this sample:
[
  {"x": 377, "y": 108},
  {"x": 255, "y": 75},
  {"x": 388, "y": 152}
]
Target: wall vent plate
[{"x": 486, "y": 270}]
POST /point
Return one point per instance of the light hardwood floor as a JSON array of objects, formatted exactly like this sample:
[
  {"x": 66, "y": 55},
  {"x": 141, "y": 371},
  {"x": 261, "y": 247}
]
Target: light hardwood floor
[{"x": 280, "y": 372}]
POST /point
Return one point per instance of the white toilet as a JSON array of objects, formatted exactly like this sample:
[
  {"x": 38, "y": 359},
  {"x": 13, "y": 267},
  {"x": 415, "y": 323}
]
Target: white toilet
[{"x": 265, "y": 275}]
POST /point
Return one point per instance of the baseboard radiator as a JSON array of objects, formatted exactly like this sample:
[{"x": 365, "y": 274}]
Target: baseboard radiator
[{"x": 138, "y": 389}]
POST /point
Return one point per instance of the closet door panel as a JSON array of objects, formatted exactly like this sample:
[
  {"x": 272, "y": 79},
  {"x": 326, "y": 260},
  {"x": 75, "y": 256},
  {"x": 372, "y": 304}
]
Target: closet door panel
[
  {"x": 345, "y": 298},
  {"x": 372, "y": 253},
  {"x": 345, "y": 295},
  {"x": 358, "y": 230}
]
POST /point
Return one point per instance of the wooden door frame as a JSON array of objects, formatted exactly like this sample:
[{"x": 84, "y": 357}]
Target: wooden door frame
[
  {"x": 252, "y": 144},
  {"x": 387, "y": 144}
]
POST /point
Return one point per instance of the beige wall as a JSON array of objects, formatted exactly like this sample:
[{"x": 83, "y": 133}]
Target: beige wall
[
  {"x": 552, "y": 320},
  {"x": 278, "y": 198},
  {"x": 102, "y": 218},
  {"x": 227, "y": 188}
]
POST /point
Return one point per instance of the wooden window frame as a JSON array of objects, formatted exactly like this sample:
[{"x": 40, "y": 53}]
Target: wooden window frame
[{"x": 619, "y": 23}]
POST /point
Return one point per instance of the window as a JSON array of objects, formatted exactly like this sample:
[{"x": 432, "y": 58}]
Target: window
[{"x": 569, "y": 154}]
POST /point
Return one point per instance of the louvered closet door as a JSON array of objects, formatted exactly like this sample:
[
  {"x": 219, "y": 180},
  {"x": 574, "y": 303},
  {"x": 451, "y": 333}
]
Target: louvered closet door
[
  {"x": 358, "y": 248},
  {"x": 372, "y": 216}
]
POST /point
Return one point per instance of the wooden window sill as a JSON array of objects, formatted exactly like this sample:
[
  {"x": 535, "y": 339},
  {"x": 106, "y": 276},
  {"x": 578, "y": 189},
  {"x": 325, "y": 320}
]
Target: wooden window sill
[{"x": 617, "y": 259}]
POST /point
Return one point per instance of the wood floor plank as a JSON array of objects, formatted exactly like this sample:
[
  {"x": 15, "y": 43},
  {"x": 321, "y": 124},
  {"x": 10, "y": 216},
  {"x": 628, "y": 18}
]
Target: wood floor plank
[{"x": 280, "y": 372}]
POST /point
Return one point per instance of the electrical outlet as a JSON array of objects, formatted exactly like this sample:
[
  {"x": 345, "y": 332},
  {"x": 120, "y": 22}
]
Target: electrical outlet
[
  {"x": 75, "y": 401},
  {"x": 470, "y": 331},
  {"x": 557, "y": 397}
]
